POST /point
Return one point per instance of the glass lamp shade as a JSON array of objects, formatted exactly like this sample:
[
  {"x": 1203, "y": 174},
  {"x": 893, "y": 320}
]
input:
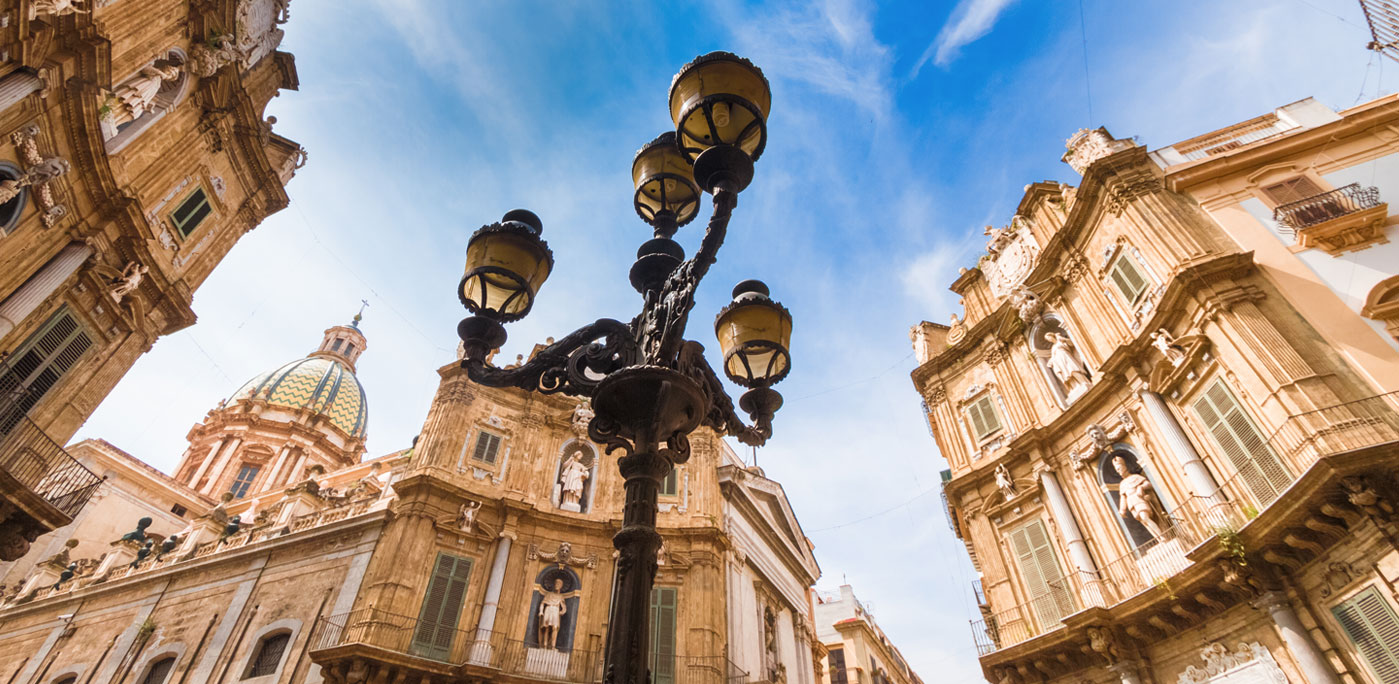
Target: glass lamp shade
[
  {"x": 754, "y": 335},
  {"x": 506, "y": 263},
  {"x": 720, "y": 99},
  {"x": 665, "y": 183}
]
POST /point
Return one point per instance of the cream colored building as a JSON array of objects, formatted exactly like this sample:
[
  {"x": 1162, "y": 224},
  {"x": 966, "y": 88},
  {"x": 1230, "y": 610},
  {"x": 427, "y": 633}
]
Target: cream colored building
[
  {"x": 432, "y": 564},
  {"x": 135, "y": 151},
  {"x": 857, "y": 650},
  {"x": 1169, "y": 410}
]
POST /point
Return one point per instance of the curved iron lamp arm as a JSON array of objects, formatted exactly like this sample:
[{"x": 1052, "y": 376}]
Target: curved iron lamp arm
[{"x": 573, "y": 365}]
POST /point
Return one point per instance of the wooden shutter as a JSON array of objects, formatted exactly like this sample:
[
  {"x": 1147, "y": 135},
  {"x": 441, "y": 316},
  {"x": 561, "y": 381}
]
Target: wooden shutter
[
  {"x": 1128, "y": 278},
  {"x": 835, "y": 660},
  {"x": 982, "y": 413},
  {"x": 1370, "y": 622},
  {"x": 486, "y": 446},
  {"x": 1291, "y": 190},
  {"x": 269, "y": 655},
  {"x": 39, "y": 364},
  {"x": 437, "y": 621},
  {"x": 1044, "y": 581},
  {"x": 1236, "y": 435},
  {"x": 663, "y": 635}
]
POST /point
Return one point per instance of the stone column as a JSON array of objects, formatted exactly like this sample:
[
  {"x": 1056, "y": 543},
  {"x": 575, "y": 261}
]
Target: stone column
[
  {"x": 1202, "y": 483},
  {"x": 16, "y": 86},
  {"x": 1127, "y": 670},
  {"x": 44, "y": 283},
  {"x": 1073, "y": 538},
  {"x": 481, "y": 649},
  {"x": 208, "y": 461},
  {"x": 1309, "y": 658},
  {"x": 274, "y": 475},
  {"x": 217, "y": 471}
]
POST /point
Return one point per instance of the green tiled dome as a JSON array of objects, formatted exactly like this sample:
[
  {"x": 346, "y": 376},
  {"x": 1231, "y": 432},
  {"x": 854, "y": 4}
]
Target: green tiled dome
[{"x": 321, "y": 384}]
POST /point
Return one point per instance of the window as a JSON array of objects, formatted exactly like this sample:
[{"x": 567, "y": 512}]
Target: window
[
  {"x": 984, "y": 420},
  {"x": 1290, "y": 190},
  {"x": 670, "y": 486},
  {"x": 38, "y": 364},
  {"x": 269, "y": 655},
  {"x": 245, "y": 478},
  {"x": 835, "y": 658},
  {"x": 1128, "y": 278},
  {"x": 437, "y": 620},
  {"x": 66, "y": 679},
  {"x": 1371, "y": 624},
  {"x": 1242, "y": 443},
  {"x": 663, "y": 635},
  {"x": 487, "y": 445},
  {"x": 1044, "y": 581},
  {"x": 335, "y": 346},
  {"x": 158, "y": 671},
  {"x": 179, "y": 510},
  {"x": 350, "y": 349},
  {"x": 191, "y": 212}
]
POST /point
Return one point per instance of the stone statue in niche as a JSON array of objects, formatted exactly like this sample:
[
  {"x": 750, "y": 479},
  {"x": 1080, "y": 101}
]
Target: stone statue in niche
[
  {"x": 573, "y": 477},
  {"x": 466, "y": 515},
  {"x": 128, "y": 281},
  {"x": 1166, "y": 344},
  {"x": 551, "y": 612},
  {"x": 1064, "y": 361},
  {"x": 770, "y": 644},
  {"x": 137, "y": 96},
  {"x": 55, "y": 8},
  {"x": 1136, "y": 497},
  {"x": 1005, "y": 482}
]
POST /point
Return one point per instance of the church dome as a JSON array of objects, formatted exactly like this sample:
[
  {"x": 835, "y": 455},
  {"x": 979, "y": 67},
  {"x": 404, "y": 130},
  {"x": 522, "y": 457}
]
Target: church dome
[
  {"x": 317, "y": 383},
  {"x": 324, "y": 382}
]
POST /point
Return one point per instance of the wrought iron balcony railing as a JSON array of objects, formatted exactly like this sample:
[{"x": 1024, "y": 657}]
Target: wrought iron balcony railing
[
  {"x": 1318, "y": 209},
  {"x": 38, "y": 463},
  {"x": 1032, "y": 618}
]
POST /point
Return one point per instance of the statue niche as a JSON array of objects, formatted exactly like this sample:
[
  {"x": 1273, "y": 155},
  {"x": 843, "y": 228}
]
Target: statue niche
[
  {"x": 573, "y": 481},
  {"x": 1059, "y": 359},
  {"x": 143, "y": 98},
  {"x": 553, "y": 610},
  {"x": 1133, "y": 497}
]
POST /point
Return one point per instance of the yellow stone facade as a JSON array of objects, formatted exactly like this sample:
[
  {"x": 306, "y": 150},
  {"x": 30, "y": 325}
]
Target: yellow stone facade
[
  {"x": 134, "y": 152},
  {"x": 1169, "y": 410},
  {"x": 432, "y": 564}
]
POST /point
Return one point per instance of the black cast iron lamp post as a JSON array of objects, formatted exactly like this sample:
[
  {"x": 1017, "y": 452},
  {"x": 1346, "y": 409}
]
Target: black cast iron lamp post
[{"x": 650, "y": 387}]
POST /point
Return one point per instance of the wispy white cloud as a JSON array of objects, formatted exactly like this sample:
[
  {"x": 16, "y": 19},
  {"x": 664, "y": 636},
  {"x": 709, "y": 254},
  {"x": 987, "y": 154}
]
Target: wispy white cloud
[{"x": 970, "y": 20}]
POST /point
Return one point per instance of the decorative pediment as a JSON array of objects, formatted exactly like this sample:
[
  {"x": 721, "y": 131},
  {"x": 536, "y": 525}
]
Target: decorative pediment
[
  {"x": 1171, "y": 375},
  {"x": 1245, "y": 663},
  {"x": 258, "y": 32}
]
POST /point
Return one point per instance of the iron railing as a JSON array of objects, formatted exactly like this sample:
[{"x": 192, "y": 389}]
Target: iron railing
[
  {"x": 1318, "y": 209},
  {"x": 978, "y": 592},
  {"x": 1037, "y": 616},
  {"x": 38, "y": 463},
  {"x": 696, "y": 670},
  {"x": 493, "y": 650},
  {"x": 1305, "y": 437}
]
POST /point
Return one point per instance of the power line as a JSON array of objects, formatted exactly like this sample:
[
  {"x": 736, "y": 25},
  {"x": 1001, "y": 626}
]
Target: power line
[
  {"x": 876, "y": 515},
  {"x": 1087, "y": 81}
]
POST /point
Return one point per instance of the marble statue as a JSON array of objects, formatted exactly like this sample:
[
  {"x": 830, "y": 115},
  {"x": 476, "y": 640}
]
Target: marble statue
[
  {"x": 1136, "y": 498},
  {"x": 582, "y": 415},
  {"x": 1164, "y": 343},
  {"x": 770, "y": 644},
  {"x": 1005, "y": 482},
  {"x": 35, "y": 175},
  {"x": 138, "y": 534},
  {"x": 572, "y": 479},
  {"x": 56, "y": 8},
  {"x": 1063, "y": 360},
  {"x": 466, "y": 515},
  {"x": 137, "y": 96},
  {"x": 551, "y": 610},
  {"x": 128, "y": 281}
]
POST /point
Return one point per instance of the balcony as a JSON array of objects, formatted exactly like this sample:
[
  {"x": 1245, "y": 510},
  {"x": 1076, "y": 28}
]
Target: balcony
[
  {"x": 1039, "y": 615},
  {"x": 1346, "y": 219},
  {"x": 46, "y": 486},
  {"x": 375, "y": 639}
]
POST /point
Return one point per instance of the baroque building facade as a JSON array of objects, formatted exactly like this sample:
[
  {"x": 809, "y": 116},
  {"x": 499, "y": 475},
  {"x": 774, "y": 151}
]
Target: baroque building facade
[
  {"x": 857, "y": 651},
  {"x": 1169, "y": 410},
  {"x": 134, "y": 152},
  {"x": 481, "y": 553}
]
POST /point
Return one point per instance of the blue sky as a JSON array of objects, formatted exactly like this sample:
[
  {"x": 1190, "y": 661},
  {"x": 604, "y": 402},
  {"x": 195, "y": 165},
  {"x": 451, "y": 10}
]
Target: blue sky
[{"x": 898, "y": 130}]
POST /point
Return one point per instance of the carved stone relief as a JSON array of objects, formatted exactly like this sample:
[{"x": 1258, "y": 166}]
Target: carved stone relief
[
  {"x": 1011, "y": 254},
  {"x": 1245, "y": 663}
]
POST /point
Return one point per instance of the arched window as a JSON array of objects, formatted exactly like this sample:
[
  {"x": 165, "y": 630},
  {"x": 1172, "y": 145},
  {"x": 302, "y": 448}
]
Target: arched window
[
  {"x": 158, "y": 671},
  {"x": 269, "y": 655},
  {"x": 11, "y": 211}
]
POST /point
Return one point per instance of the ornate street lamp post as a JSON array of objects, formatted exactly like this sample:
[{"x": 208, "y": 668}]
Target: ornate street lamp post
[{"x": 650, "y": 387}]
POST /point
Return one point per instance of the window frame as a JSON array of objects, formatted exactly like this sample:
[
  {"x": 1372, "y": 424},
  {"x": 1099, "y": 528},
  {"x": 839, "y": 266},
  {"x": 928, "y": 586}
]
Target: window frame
[
  {"x": 256, "y": 657},
  {"x": 1387, "y": 602},
  {"x": 62, "y": 348},
  {"x": 244, "y": 467},
  {"x": 149, "y": 666},
  {"x": 673, "y": 481},
  {"x": 1261, "y": 190},
  {"x": 494, "y": 449},
  {"x": 288, "y": 626},
  {"x": 653, "y": 652},
  {"x": 1124, "y": 256},
  {"x": 176, "y": 226},
  {"x": 987, "y": 397}
]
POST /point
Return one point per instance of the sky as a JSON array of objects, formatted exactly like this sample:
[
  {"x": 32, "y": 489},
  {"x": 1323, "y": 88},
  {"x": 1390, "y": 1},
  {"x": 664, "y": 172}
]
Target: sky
[{"x": 898, "y": 130}]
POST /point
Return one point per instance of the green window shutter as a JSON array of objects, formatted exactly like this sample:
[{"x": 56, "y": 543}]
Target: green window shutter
[
  {"x": 1044, "y": 581},
  {"x": 191, "y": 212},
  {"x": 663, "y": 635},
  {"x": 486, "y": 446},
  {"x": 437, "y": 621},
  {"x": 1236, "y": 435},
  {"x": 38, "y": 364},
  {"x": 983, "y": 416},
  {"x": 1372, "y": 625},
  {"x": 1128, "y": 278}
]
